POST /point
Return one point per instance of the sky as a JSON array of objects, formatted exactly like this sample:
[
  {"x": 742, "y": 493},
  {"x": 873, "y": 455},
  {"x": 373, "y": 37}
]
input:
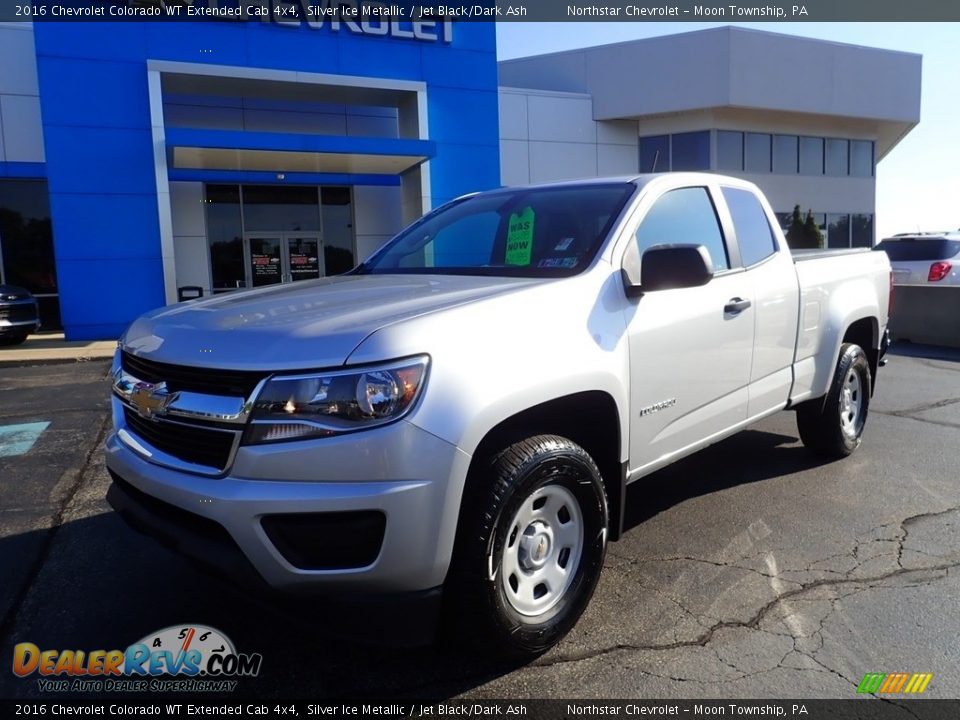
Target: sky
[{"x": 918, "y": 182}]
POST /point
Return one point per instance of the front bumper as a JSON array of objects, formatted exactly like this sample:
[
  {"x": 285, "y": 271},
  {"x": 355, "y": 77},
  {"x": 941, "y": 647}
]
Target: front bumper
[
  {"x": 410, "y": 476},
  {"x": 18, "y": 317}
]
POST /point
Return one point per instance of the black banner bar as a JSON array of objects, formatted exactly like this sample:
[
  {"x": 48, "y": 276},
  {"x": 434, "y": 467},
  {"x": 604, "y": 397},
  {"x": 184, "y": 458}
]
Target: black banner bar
[
  {"x": 318, "y": 12},
  {"x": 863, "y": 708}
]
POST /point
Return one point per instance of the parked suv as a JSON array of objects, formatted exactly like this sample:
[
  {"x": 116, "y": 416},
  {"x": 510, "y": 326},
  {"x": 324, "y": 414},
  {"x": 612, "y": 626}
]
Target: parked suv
[
  {"x": 924, "y": 258},
  {"x": 19, "y": 314}
]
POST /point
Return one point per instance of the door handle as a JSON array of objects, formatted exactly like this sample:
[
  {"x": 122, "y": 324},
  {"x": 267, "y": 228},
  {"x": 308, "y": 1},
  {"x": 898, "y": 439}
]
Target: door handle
[{"x": 735, "y": 306}]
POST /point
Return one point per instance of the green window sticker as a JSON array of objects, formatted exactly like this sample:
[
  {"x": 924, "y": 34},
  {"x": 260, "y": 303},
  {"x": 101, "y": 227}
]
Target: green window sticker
[{"x": 520, "y": 238}]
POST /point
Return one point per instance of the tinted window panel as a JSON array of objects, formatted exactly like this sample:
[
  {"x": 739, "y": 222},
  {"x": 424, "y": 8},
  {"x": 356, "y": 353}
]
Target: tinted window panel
[
  {"x": 861, "y": 158},
  {"x": 811, "y": 156},
  {"x": 26, "y": 240},
  {"x": 862, "y": 231},
  {"x": 917, "y": 249},
  {"x": 754, "y": 235},
  {"x": 756, "y": 152},
  {"x": 691, "y": 151},
  {"x": 785, "y": 154},
  {"x": 836, "y": 157},
  {"x": 281, "y": 207},
  {"x": 655, "y": 153},
  {"x": 838, "y": 231},
  {"x": 684, "y": 216},
  {"x": 729, "y": 150},
  {"x": 336, "y": 210},
  {"x": 225, "y": 237}
]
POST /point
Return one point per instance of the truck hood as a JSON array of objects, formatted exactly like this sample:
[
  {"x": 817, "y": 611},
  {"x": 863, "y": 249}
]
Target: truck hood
[{"x": 309, "y": 324}]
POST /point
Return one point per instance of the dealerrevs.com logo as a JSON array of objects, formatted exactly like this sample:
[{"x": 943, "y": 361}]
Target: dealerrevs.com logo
[{"x": 180, "y": 658}]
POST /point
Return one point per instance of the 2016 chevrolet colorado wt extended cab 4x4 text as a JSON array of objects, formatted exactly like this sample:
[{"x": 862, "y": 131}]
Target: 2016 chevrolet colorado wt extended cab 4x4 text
[{"x": 464, "y": 410}]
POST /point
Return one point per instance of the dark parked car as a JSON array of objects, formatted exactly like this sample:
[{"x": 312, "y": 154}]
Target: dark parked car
[{"x": 19, "y": 315}]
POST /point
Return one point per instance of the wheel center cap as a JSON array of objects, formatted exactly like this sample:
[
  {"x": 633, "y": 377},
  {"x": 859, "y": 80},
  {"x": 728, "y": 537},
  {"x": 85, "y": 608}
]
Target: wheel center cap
[{"x": 535, "y": 546}]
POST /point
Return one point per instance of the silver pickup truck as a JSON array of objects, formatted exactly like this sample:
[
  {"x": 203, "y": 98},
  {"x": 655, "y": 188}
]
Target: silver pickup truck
[{"x": 464, "y": 411}]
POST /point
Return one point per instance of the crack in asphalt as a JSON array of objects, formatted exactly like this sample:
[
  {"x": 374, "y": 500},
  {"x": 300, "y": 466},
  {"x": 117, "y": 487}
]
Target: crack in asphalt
[
  {"x": 924, "y": 576},
  {"x": 8, "y": 622},
  {"x": 911, "y": 412}
]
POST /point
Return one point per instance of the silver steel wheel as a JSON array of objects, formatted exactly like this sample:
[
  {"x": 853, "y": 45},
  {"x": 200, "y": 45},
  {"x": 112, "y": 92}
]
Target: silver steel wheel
[
  {"x": 542, "y": 550},
  {"x": 851, "y": 403}
]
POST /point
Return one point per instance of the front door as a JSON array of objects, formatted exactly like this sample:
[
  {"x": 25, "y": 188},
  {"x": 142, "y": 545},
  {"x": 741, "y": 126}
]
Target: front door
[
  {"x": 284, "y": 257},
  {"x": 690, "y": 353}
]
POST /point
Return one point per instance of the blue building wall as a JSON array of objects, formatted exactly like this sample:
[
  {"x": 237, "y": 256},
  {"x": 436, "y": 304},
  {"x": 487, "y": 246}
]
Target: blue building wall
[{"x": 99, "y": 146}]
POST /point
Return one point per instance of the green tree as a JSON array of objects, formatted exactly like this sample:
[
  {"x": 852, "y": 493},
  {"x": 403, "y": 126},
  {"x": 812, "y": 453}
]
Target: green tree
[
  {"x": 812, "y": 230},
  {"x": 796, "y": 235},
  {"x": 803, "y": 233}
]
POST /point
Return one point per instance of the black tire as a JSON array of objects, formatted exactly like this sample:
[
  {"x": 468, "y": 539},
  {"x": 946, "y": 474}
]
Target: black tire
[
  {"x": 830, "y": 426},
  {"x": 481, "y": 601}
]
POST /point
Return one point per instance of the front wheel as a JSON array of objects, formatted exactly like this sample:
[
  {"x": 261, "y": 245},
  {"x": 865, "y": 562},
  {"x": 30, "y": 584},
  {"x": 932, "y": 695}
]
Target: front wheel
[
  {"x": 833, "y": 426},
  {"x": 530, "y": 547}
]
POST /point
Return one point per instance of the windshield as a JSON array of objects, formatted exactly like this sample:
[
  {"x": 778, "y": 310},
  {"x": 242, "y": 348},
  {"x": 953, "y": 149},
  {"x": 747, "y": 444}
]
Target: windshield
[{"x": 540, "y": 232}]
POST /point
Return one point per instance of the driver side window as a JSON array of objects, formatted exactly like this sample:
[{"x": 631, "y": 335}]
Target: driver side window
[{"x": 684, "y": 216}]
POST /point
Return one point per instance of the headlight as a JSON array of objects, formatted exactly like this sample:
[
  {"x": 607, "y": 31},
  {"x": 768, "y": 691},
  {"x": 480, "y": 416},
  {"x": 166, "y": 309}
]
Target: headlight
[{"x": 298, "y": 407}]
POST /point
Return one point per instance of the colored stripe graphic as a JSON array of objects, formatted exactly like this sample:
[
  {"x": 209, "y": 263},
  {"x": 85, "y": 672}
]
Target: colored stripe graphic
[{"x": 893, "y": 683}]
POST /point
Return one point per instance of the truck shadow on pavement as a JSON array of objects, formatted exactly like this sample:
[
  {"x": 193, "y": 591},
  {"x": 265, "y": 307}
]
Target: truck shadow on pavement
[
  {"x": 747, "y": 457},
  {"x": 95, "y": 584}
]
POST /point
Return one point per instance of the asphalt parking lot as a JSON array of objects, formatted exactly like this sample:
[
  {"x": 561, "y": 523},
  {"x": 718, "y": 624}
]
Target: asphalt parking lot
[{"x": 749, "y": 570}]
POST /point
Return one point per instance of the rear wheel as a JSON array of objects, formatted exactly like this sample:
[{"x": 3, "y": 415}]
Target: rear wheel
[
  {"x": 530, "y": 547},
  {"x": 833, "y": 426}
]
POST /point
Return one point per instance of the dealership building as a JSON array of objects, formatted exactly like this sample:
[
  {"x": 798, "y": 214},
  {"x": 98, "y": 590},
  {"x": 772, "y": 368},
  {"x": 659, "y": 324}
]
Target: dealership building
[{"x": 142, "y": 162}]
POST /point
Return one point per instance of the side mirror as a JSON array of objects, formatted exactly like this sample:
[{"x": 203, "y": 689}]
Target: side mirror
[{"x": 665, "y": 267}]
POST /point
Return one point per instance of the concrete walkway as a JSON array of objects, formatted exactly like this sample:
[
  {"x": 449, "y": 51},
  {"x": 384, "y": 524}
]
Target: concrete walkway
[{"x": 53, "y": 348}]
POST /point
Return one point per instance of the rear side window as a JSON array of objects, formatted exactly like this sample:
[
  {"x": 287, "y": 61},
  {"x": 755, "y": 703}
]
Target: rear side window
[
  {"x": 919, "y": 249},
  {"x": 684, "y": 216},
  {"x": 750, "y": 223}
]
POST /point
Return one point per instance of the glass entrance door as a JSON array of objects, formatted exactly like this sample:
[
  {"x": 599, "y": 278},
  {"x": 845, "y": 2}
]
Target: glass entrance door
[
  {"x": 304, "y": 261},
  {"x": 266, "y": 261},
  {"x": 284, "y": 257}
]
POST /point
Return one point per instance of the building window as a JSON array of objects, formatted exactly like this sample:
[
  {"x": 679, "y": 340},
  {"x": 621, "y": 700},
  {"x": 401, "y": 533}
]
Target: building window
[
  {"x": 861, "y": 158},
  {"x": 811, "y": 156},
  {"x": 655, "y": 153},
  {"x": 785, "y": 154},
  {"x": 225, "y": 237},
  {"x": 754, "y": 236},
  {"x": 837, "y": 157},
  {"x": 690, "y": 151},
  {"x": 26, "y": 244},
  {"x": 336, "y": 208},
  {"x": 838, "y": 231},
  {"x": 280, "y": 207},
  {"x": 686, "y": 213},
  {"x": 729, "y": 150},
  {"x": 756, "y": 152},
  {"x": 862, "y": 231}
]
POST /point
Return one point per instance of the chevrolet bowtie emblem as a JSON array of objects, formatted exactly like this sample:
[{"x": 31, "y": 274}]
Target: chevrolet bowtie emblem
[{"x": 151, "y": 401}]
